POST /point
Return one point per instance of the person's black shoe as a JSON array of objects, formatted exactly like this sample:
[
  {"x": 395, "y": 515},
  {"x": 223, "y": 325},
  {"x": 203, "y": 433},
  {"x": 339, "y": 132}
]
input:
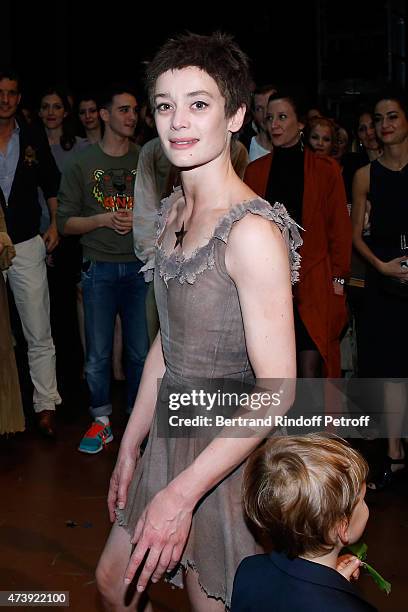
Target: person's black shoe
[
  {"x": 46, "y": 423},
  {"x": 386, "y": 475}
]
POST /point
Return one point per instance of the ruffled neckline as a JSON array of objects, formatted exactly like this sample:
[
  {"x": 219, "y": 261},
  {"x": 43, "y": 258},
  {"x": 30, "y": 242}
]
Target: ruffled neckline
[{"x": 186, "y": 269}]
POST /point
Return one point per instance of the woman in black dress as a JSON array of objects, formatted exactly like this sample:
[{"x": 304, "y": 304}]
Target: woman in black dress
[{"x": 384, "y": 333}]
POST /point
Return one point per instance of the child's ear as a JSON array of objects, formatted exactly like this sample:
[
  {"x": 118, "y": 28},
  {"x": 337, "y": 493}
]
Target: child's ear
[{"x": 342, "y": 531}]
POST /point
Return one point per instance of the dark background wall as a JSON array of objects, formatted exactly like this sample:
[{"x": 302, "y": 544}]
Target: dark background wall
[
  {"x": 331, "y": 49},
  {"x": 87, "y": 46}
]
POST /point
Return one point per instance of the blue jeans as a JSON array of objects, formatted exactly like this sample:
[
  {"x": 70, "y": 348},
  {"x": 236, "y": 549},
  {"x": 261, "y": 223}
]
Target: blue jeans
[{"x": 108, "y": 289}]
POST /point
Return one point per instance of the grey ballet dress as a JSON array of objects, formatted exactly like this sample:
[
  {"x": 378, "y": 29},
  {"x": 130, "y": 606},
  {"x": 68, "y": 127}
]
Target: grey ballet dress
[{"x": 203, "y": 337}]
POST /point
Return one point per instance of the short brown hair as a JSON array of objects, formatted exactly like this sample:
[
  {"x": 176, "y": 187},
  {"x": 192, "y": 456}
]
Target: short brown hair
[
  {"x": 217, "y": 54},
  {"x": 299, "y": 488}
]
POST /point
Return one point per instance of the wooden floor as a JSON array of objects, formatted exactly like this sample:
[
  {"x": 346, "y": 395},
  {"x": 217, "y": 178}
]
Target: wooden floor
[{"x": 54, "y": 522}]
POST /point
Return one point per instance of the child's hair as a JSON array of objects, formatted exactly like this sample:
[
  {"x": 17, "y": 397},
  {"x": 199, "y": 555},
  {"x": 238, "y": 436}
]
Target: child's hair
[
  {"x": 299, "y": 488},
  {"x": 217, "y": 55}
]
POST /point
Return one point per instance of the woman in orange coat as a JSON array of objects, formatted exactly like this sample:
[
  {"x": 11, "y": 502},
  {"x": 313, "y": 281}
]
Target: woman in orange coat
[{"x": 312, "y": 189}]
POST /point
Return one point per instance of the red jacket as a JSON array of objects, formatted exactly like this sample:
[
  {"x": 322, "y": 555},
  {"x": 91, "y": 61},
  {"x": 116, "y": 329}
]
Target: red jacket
[{"x": 326, "y": 250}]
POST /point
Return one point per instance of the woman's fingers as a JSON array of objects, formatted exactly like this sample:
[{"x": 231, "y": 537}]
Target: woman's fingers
[
  {"x": 148, "y": 567},
  {"x": 160, "y": 536},
  {"x": 151, "y": 559},
  {"x": 163, "y": 564},
  {"x": 395, "y": 268},
  {"x": 157, "y": 563},
  {"x": 139, "y": 551},
  {"x": 175, "y": 557},
  {"x": 124, "y": 483},
  {"x": 119, "y": 485}
]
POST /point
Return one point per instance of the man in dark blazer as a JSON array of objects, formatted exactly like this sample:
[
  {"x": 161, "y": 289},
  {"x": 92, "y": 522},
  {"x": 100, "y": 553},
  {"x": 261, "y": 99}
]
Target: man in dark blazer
[{"x": 26, "y": 163}]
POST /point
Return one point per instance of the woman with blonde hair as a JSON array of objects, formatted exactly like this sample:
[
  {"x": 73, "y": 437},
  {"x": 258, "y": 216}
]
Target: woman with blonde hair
[{"x": 320, "y": 135}]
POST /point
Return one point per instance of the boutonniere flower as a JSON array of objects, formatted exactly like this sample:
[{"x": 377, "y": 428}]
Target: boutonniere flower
[{"x": 30, "y": 157}]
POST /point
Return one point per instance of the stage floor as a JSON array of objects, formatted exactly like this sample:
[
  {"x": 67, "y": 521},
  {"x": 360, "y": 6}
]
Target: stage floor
[{"x": 54, "y": 520}]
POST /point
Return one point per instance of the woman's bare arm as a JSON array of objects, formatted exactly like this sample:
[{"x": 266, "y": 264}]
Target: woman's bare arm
[
  {"x": 361, "y": 186},
  {"x": 137, "y": 428}
]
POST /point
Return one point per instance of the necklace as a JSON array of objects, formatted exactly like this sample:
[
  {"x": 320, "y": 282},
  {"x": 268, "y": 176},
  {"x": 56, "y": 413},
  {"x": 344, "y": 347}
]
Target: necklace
[
  {"x": 180, "y": 236},
  {"x": 399, "y": 168},
  {"x": 393, "y": 166}
]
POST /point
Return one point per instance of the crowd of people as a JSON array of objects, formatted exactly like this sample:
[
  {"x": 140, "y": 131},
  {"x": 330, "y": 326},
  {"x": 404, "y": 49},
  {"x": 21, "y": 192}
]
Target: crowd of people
[{"x": 243, "y": 207}]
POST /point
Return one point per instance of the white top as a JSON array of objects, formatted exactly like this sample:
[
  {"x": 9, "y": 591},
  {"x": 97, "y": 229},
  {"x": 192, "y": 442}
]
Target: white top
[{"x": 255, "y": 150}]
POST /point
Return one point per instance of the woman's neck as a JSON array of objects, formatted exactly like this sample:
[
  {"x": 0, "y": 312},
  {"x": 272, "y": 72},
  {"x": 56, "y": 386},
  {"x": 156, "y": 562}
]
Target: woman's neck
[
  {"x": 395, "y": 157},
  {"x": 374, "y": 153},
  {"x": 94, "y": 135},
  {"x": 294, "y": 144},
  {"x": 212, "y": 186},
  {"x": 54, "y": 135}
]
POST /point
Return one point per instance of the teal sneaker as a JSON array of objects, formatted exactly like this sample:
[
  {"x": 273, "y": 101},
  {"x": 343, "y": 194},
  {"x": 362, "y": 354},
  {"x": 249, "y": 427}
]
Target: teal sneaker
[{"x": 95, "y": 438}]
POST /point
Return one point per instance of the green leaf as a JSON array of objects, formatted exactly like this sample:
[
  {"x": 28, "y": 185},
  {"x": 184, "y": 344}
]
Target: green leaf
[
  {"x": 378, "y": 579},
  {"x": 360, "y": 550}
]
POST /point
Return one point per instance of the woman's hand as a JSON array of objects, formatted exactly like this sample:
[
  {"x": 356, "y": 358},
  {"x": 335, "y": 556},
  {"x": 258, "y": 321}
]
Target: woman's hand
[
  {"x": 120, "y": 481},
  {"x": 393, "y": 268},
  {"x": 349, "y": 567},
  {"x": 162, "y": 532}
]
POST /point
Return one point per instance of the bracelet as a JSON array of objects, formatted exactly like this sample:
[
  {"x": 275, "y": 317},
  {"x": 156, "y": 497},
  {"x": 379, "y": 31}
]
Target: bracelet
[{"x": 338, "y": 279}]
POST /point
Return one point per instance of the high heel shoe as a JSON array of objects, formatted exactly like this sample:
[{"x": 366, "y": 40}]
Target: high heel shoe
[{"x": 386, "y": 475}]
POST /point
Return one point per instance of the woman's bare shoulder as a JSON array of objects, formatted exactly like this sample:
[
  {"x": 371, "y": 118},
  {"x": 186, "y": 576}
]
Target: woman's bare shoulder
[
  {"x": 362, "y": 177},
  {"x": 254, "y": 233}
]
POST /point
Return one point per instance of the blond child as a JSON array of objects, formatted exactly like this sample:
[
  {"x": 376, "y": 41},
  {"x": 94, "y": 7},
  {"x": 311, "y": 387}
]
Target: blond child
[{"x": 307, "y": 493}]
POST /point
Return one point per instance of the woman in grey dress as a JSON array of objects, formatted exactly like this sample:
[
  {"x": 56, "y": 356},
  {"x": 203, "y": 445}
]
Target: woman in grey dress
[{"x": 223, "y": 290}]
